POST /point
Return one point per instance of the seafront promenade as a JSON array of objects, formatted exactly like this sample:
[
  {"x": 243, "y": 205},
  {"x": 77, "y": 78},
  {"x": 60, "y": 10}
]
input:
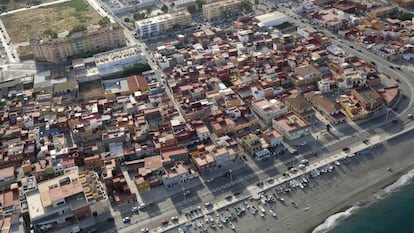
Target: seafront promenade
[{"x": 253, "y": 191}]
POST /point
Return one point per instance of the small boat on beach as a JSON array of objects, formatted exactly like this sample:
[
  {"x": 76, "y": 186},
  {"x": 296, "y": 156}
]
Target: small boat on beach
[
  {"x": 261, "y": 208},
  {"x": 273, "y": 213},
  {"x": 253, "y": 209}
]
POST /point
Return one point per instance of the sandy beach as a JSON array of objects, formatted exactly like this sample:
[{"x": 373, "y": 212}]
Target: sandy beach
[{"x": 354, "y": 181}]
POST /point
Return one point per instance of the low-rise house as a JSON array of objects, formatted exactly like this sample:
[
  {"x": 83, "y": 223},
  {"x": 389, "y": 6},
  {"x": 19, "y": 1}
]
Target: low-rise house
[
  {"x": 221, "y": 155},
  {"x": 93, "y": 163},
  {"x": 176, "y": 175},
  {"x": 273, "y": 137},
  {"x": 174, "y": 155},
  {"x": 330, "y": 110},
  {"x": 298, "y": 104},
  {"x": 122, "y": 192},
  {"x": 251, "y": 143},
  {"x": 368, "y": 98},
  {"x": 10, "y": 202},
  {"x": 7, "y": 177},
  {"x": 305, "y": 75},
  {"x": 231, "y": 145},
  {"x": 204, "y": 161},
  {"x": 268, "y": 109},
  {"x": 150, "y": 175},
  {"x": 291, "y": 125}
]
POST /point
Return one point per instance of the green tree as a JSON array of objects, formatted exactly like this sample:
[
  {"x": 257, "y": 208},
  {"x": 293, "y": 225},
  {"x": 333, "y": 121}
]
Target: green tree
[
  {"x": 256, "y": 2},
  {"x": 137, "y": 68},
  {"x": 176, "y": 26},
  {"x": 200, "y": 3},
  {"x": 246, "y": 6},
  {"x": 78, "y": 28},
  {"x": 148, "y": 12},
  {"x": 191, "y": 8},
  {"x": 127, "y": 20},
  {"x": 139, "y": 16},
  {"x": 50, "y": 32},
  {"x": 104, "y": 21},
  {"x": 164, "y": 8},
  {"x": 405, "y": 16}
]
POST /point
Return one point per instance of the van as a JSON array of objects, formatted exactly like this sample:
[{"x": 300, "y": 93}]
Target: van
[{"x": 75, "y": 229}]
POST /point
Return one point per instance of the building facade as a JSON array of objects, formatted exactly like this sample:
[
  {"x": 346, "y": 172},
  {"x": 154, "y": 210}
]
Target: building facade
[
  {"x": 94, "y": 39},
  {"x": 162, "y": 23},
  {"x": 115, "y": 61},
  {"x": 220, "y": 9}
]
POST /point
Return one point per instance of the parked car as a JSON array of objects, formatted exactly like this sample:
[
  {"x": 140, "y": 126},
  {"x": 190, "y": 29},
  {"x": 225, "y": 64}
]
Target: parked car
[{"x": 126, "y": 220}]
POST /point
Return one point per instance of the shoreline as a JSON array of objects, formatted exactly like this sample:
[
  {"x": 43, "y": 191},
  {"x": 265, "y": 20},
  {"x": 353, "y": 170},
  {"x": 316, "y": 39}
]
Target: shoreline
[
  {"x": 368, "y": 194},
  {"x": 357, "y": 182}
]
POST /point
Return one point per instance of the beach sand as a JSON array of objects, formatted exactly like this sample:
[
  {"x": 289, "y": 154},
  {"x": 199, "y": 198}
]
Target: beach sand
[{"x": 350, "y": 183}]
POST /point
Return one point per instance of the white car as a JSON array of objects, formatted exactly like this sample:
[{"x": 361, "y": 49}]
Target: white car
[
  {"x": 144, "y": 230},
  {"x": 142, "y": 206},
  {"x": 174, "y": 219},
  {"x": 126, "y": 220},
  {"x": 273, "y": 213}
]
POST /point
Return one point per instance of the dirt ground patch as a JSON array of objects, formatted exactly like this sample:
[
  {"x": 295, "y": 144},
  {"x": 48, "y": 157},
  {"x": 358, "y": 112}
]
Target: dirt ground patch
[
  {"x": 90, "y": 90},
  {"x": 24, "y": 25}
]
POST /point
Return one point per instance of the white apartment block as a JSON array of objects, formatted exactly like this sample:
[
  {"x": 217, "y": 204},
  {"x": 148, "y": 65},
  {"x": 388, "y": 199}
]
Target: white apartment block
[
  {"x": 162, "y": 23},
  {"x": 116, "y": 60}
]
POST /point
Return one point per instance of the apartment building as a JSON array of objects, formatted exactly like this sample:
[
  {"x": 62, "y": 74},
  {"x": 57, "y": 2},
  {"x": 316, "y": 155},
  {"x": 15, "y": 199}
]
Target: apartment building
[
  {"x": 220, "y": 9},
  {"x": 115, "y": 61},
  {"x": 68, "y": 198},
  {"x": 94, "y": 39},
  {"x": 162, "y": 23}
]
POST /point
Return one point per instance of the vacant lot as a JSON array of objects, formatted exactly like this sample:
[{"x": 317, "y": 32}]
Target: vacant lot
[
  {"x": 90, "y": 90},
  {"x": 24, "y": 25},
  {"x": 8, "y": 5}
]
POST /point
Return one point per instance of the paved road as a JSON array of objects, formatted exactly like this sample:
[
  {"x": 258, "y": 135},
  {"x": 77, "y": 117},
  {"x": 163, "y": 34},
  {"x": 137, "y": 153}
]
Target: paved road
[{"x": 33, "y": 7}]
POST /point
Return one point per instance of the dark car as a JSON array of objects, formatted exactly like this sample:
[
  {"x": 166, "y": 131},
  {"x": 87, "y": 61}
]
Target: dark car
[
  {"x": 373, "y": 63},
  {"x": 351, "y": 46}
]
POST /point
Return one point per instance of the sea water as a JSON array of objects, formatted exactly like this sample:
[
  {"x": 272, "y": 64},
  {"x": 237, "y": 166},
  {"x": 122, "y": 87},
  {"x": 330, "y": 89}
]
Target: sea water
[{"x": 391, "y": 210}]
